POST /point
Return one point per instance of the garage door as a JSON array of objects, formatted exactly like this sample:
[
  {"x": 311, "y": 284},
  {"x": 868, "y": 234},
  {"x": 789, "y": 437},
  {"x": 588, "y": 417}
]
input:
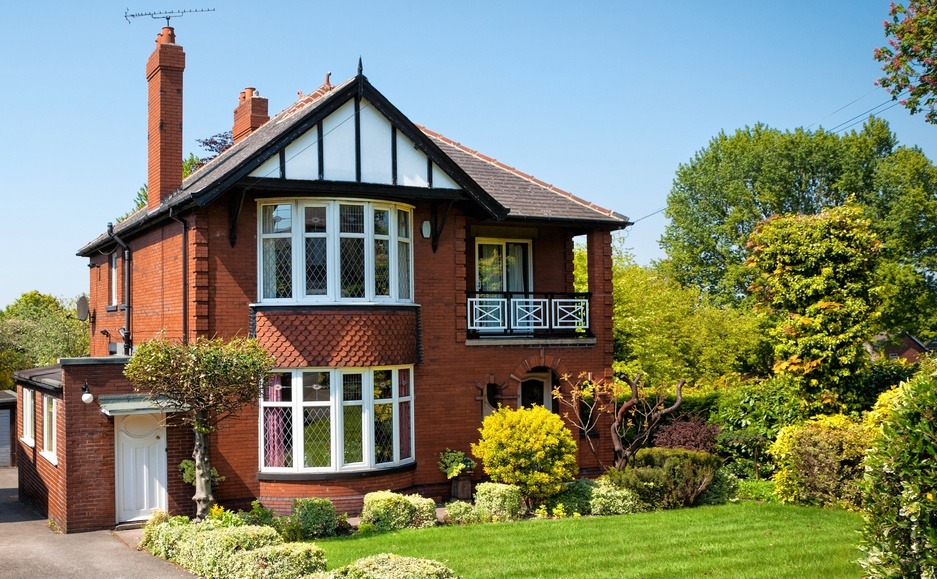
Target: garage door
[{"x": 5, "y": 435}]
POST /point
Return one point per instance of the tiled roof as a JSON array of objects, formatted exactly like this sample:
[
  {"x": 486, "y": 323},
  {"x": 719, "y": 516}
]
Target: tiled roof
[
  {"x": 525, "y": 195},
  {"x": 353, "y": 338}
]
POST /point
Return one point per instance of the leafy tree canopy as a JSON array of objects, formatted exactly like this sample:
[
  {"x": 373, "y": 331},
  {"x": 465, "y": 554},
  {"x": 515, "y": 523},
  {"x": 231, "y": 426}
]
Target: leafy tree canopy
[
  {"x": 739, "y": 180},
  {"x": 909, "y": 61}
]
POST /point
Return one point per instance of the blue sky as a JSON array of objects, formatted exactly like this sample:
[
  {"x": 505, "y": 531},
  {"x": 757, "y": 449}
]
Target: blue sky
[{"x": 603, "y": 99}]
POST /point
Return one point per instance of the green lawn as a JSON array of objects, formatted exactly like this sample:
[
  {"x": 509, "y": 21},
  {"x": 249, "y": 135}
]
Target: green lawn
[{"x": 737, "y": 540}]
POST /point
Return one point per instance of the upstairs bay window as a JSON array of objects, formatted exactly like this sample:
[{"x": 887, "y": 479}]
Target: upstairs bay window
[{"x": 335, "y": 251}]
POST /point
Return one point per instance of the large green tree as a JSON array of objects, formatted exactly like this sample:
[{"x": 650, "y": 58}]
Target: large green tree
[
  {"x": 909, "y": 61},
  {"x": 36, "y": 330},
  {"x": 816, "y": 275},
  {"x": 211, "y": 378},
  {"x": 741, "y": 179}
]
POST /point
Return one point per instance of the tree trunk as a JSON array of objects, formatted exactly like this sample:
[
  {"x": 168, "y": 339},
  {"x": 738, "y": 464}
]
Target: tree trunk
[{"x": 203, "y": 497}]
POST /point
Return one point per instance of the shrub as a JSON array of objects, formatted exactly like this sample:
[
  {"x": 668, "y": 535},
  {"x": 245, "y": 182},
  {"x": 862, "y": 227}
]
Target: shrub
[
  {"x": 278, "y": 561},
  {"x": 527, "y": 447},
  {"x": 880, "y": 376},
  {"x": 219, "y": 516},
  {"x": 388, "y": 511},
  {"x": 751, "y": 414},
  {"x": 900, "y": 487},
  {"x": 689, "y": 433},
  {"x": 461, "y": 513},
  {"x": 258, "y": 515},
  {"x": 724, "y": 488},
  {"x": 820, "y": 461},
  {"x": 389, "y": 566},
  {"x": 209, "y": 552},
  {"x": 161, "y": 534},
  {"x": 575, "y": 498},
  {"x": 665, "y": 478},
  {"x": 498, "y": 502},
  {"x": 316, "y": 517},
  {"x": 607, "y": 499},
  {"x": 289, "y": 528},
  {"x": 756, "y": 490}
]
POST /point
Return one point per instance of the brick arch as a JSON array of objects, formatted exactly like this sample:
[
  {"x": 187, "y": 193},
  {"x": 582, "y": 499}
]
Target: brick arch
[{"x": 540, "y": 360}]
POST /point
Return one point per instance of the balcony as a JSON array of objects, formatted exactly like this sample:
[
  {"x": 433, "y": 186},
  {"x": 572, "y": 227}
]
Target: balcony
[{"x": 528, "y": 315}]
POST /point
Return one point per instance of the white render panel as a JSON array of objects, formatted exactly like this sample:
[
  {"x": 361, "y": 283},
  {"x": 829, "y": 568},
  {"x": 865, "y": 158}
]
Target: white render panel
[
  {"x": 411, "y": 164},
  {"x": 302, "y": 156},
  {"x": 270, "y": 169},
  {"x": 338, "y": 141},
  {"x": 441, "y": 180},
  {"x": 376, "y": 159}
]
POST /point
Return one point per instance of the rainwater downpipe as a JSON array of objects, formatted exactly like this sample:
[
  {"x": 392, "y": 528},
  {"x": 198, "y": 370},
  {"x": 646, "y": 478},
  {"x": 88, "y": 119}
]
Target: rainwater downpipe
[
  {"x": 128, "y": 341},
  {"x": 185, "y": 276}
]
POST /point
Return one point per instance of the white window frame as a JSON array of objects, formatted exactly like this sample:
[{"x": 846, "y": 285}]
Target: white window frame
[
  {"x": 336, "y": 403},
  {"x": 333, "y": 235},
  {"x": 504, "y": 271},
  {"x": 112, "y": 271},
  {"x": 49, "y": 418},
  {"x": 29, "y": 417}
]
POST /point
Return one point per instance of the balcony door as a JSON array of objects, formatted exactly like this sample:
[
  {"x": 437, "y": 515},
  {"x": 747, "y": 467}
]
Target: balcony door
[{"x": 503, "y": 266}]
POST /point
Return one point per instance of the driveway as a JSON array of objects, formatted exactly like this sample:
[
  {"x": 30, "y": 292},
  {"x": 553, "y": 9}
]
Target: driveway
[{"x": 29, "y": 549}]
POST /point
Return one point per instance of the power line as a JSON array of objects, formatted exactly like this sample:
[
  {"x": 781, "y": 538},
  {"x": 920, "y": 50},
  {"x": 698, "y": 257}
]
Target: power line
[{"x": 842, "y": 107}]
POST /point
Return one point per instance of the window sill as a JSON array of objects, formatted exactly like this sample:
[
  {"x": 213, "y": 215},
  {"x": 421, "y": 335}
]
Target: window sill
[
  {"x": 30, "y": 442},
  {"x": 49, "y": 457},
  {"x": 334, "y": 305},
  {"x": 531, "y": 341},
  {"x": 334, "y": 475}
]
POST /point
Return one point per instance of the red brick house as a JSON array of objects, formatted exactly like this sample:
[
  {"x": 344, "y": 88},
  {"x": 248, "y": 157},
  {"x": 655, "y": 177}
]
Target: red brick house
[{"x": 405, "y": 284}]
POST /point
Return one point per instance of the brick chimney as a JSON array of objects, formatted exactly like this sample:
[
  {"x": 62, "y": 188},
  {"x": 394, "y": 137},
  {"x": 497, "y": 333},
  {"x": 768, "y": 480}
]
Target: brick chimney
[
  {"x": 250, "y": 114},
  {"x": 164, "y": 118}
]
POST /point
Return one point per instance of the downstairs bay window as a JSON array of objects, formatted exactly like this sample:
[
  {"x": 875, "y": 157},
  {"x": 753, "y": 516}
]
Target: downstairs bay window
[
  {"x": 314, "y": 251},
  {"x": 332, "y": 420}
]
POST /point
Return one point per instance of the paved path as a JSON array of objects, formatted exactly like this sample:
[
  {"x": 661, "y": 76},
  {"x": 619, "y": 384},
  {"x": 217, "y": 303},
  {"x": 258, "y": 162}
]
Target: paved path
[{"x": 29, "y": 549}]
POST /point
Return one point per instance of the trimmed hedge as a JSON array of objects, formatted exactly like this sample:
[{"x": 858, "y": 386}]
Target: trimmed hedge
[
  {"x": 498, "y": 502},
  {"x": 316, "y": 517},
  {"x": 461, "y": 513},
  {"x": 390, "y": 566},
  {"x": 209, "y": 553},
  {"x": 286, "y": 561},
  {"x": 388, "y": 511},
  {"x": 607, "y": 499}
]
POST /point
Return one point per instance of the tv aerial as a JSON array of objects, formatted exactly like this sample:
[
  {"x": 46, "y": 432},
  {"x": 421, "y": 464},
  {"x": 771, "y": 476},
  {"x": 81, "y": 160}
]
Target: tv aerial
[{"x": 166, "y": 15}]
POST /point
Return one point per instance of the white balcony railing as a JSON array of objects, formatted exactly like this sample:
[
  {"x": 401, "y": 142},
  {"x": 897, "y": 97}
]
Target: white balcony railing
[{"x": 499, "y": 313}]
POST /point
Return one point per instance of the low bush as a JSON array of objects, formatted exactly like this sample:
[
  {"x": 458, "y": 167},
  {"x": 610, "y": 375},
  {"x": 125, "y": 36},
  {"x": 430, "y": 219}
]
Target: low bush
[
  {"x": 389, "y": 566},
  {"x": 258, "y": 515},
  {"x": 285, "y": 561},
  {"x": 162, "y": 533},
  {"x": 218, "y": 517},
  {"x": 900, "y": 487},
  {"x": 756, "y": 490},
  {"x": 528, "y": 447},
  {"x": 209, "y": 553},
  {"x": 688, "y": 433},
  {"x": 820, "y": 461},
  {"x": 666, "y": 478},
  {"x": 724, "y": 488},
  {"x": 316, "y": 517},
  {"x": 461, "y": 513},
  {"x": 387, "y": 511},
  {"x": 576, "y": 497},
  {"x": 608, "y": 499},
  {"x": 498, "y": 502}
]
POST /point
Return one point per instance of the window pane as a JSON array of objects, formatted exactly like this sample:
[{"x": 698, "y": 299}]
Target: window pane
[
  {"x": 382, "y": 267},
  {"x": 316, "y": 387},
  {"x": 351, "y": 387},
  {"x": 277, "y": 218},
  {"x": 383, "y": 433},
  {"x": 278, "y": 268},
  {"x": 315, "y": 219},
  {"x": 403, "y": 382},
  {"x": 354, "y": 450},
  {"x": 381, "y": 222},
  {"x": 352, "y": 218},
  {"x": 278, "y": 437},
  {"x": 490, "y": 267},
  {"x": 403, "y": 224},
  {"x": 317, "y": 272},
  {"x": 403, "y": 270},
  {"x": 405, "y": 430},
  {"x": 278, "y": 388},
  {"x": 383, "y": 384},
  {"x": 352, "y": 271},
  {"x": 317, "y": 437}
]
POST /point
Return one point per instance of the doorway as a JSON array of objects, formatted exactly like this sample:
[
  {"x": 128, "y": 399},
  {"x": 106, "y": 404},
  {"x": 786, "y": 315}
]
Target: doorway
[{"x": 140, "y": 465}]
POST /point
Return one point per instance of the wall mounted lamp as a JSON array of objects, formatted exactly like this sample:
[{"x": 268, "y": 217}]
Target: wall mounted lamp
[
  {"x": 426, "y": 230},
  {"x": 86, "y": 396}
]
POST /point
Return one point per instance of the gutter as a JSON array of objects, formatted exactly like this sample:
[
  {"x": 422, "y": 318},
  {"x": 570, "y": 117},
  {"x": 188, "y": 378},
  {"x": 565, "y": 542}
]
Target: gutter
[{"x": 128, "y": 341}]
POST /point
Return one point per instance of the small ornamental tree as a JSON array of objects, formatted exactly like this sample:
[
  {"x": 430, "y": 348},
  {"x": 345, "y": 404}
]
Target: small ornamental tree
[
  {"x": 910, "y": 59},
  {"x": 211, "y": 378},
  {"x": 527, "y": 447}
]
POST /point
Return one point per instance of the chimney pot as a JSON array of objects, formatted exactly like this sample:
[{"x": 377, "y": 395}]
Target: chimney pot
[{"x": 167, "y": 36}]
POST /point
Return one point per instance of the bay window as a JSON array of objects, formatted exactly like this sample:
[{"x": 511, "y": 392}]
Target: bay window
[
  {"x": 333, "y": 251},
  {"x": 328, "y": 420}
]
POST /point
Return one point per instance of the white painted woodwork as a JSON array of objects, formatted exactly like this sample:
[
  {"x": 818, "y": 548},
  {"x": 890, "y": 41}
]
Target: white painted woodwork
[{"x": 140, "y": 457}]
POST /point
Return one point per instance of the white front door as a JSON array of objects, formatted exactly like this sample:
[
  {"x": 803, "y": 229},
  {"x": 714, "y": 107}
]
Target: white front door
[{"x": 140, "y": 449}]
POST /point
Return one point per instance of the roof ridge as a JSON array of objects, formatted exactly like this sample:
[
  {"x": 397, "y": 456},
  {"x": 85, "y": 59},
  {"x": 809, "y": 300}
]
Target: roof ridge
[{"x": 517, "y": 172}]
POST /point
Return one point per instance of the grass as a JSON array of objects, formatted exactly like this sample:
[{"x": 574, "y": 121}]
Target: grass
[{"x": 747, "y": 539}]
